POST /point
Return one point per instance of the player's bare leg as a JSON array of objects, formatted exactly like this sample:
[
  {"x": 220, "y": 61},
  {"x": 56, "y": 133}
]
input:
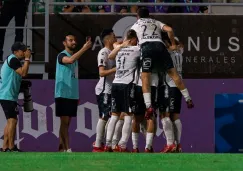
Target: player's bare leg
[
  {"x": 65, "y": 122},
  {"x": 118, "y": 133},
  {"x": 169, "y": 133},
  {"x": 181, "y": 86},
  {"x": 5, "y": 138},
  {"x": 12, "y": 122},
  {"x": 110, "y": 131},
  {"x": 135, "y": 132},
  {"x": 175, "y": 117},
  {"x": 126, "y": 132}
]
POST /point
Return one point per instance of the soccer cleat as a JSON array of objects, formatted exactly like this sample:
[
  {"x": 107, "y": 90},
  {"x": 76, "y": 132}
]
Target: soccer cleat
[
  {"x": 169, "y": 149},
  {"x": 102, "y": 145},
  {"x": 98, "y": 149},
  {"x": 1, "y": 149},
  {"x": 149, "y": 113},
  {"x": 123, "y": 150},
  {"x": 178, "y": 148},
  {"x": 149, "y": 150},
  {"x": 116, "y": 149},
  {"x": 108, "y": 149},
  {"x": 135, "y": 150}
]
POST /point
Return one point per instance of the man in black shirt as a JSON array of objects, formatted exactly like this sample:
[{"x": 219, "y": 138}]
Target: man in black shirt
[{"x": 10, "y": 9}]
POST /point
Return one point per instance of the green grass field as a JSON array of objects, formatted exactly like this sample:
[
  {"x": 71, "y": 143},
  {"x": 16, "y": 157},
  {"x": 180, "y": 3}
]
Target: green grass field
[{"x": 120, "y": 161}]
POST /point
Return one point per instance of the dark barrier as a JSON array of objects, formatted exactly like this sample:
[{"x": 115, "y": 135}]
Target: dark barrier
[{"x": 213, "y": 47}]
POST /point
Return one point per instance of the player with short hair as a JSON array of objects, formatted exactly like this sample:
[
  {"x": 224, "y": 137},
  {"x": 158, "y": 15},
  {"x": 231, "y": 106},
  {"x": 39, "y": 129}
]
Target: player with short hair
[
  {"x": 155, "y": 57},
  {"x": 103, "y": 88},
  {"x": 127, "y": 57},
  {"x": 169, "y": 98}
]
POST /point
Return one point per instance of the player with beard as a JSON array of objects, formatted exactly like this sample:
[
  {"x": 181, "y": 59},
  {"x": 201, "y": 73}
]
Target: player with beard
[
  {"x": 103, "y": 88},
  {"x": 127, "y": 58},
  {"x": 155, "y": 57},
  {"x": 66, "y": 86},
  {"x": 170, "y": 102}
]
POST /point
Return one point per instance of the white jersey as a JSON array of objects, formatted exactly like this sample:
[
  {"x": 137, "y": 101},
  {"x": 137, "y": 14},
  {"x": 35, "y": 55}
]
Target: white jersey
[
  {"x": 148, "y": 30},
  {"x": 127, "y": 61},
  {"x": 104, "y": 84},
  {"x": 177, "y": 59}
]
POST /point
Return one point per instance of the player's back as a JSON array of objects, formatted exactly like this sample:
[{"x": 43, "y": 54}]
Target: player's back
[
  {"x": 127, "y": 61},
  {"x": 177, "y": 59},
  {"x": 148, "y": 30}
]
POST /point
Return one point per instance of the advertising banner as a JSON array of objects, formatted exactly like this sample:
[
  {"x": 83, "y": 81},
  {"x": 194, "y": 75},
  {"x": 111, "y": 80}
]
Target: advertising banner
[{"x": 213, "y": 43}]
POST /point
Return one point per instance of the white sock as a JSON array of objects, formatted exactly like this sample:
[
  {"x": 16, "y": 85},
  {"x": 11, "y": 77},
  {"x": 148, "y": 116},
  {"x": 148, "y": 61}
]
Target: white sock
[
  {"x": 135, "y": 137},
  {"x": 126, "y": 131},
  {"x": 178, "y": 127},
  {"x": 106, "y": 125},
  {"x": 117, "y": 134},
  {"x": 168, "y": 130},
  {"x": 100, "y": 129},
  {"x": 149, "y": 140},
  {"x": 110, "y": 129},
  {"x": 147, "y": 99}
]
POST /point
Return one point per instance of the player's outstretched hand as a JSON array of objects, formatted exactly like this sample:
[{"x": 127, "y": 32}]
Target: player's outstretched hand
[{"x": 190, "y": 104}]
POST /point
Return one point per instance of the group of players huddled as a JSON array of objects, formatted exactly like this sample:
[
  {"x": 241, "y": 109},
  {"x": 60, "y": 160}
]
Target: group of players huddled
[{"x": 138, "y": 77}]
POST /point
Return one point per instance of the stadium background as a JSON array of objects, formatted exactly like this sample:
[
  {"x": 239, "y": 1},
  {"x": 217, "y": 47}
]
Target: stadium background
[{"x": 212, "y": 66}]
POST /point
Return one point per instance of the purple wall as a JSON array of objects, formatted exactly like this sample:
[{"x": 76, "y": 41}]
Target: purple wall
[{"x": 39, "y": 131}]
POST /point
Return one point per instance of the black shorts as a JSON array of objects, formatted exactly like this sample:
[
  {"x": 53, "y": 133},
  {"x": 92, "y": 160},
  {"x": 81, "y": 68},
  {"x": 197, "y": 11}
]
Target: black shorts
[
  {"x": 169, "y": 99},
  {"x": 140, "y": 105},
  {"x": 122, "y": 98},
  {"x": 155, "y": 57},
  {"x": 66, "y": 107},
  {"x": 104, "y": 105},
  {"x": 10, "y": 108}
]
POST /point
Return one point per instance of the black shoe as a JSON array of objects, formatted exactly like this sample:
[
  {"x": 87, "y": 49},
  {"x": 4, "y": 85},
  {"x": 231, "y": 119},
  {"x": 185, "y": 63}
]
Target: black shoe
[
  {"x": 7, "y": 150},
  {"x": 15, "y": 149},
  {"x": 1, "y": 149}
]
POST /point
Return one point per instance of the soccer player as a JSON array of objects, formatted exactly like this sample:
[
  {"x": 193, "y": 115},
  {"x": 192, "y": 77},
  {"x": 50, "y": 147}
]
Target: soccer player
[
  {"x": 127, "y": 57},
  {"x": 103, "y": 88},
  {"x": 140, "y": 113},
  {"x": 169, "y": 98},
  {"x": 66, "y": 86},
  {"x": 155, "y": 57}
]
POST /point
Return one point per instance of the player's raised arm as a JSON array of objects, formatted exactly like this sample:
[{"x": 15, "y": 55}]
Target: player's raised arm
[{"x": 169, "y": 31}]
